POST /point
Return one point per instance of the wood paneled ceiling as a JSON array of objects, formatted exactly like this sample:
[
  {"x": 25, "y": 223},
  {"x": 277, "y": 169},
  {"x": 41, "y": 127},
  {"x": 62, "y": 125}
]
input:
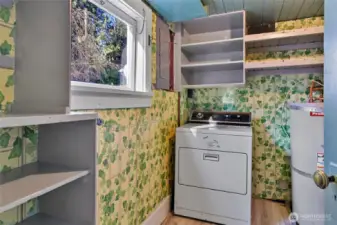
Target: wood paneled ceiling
[{"x": 269, "y": 11}]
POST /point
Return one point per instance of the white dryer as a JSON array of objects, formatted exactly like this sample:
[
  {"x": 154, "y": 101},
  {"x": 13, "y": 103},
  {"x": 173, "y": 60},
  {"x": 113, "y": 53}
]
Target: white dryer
[{"x": 213, "y": 165}]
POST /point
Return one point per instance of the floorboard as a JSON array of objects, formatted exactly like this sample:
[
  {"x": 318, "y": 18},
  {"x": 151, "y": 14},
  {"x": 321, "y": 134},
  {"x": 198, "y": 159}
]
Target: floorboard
[{"x": 263, "y": 212}]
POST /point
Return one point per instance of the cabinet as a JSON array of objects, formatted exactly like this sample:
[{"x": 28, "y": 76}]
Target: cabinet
[{"x": 163, "y": 55}]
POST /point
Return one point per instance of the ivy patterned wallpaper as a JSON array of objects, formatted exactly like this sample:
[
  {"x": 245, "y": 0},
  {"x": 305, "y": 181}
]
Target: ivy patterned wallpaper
[
  {"x": 7, "y": 31},
  {"x": 185, "y": 108},
  {"x": 265, "y": 96},
  {"x": 134, "y": 157}
]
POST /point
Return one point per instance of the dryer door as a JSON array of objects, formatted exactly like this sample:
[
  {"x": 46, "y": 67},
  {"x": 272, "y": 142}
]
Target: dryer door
[{"x": 215, "y": 170}]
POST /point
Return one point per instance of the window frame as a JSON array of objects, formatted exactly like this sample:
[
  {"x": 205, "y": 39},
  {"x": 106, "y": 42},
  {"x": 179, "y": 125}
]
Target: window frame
[{"x": 138, "y": 92}]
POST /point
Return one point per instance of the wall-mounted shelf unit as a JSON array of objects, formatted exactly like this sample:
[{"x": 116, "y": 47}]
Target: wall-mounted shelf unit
[
  {"x": 63, "y": 178},
  {"x": 286, "y": 40},
  {"x": 286, "y": 63},
  {"x": 210, "y": 51}
]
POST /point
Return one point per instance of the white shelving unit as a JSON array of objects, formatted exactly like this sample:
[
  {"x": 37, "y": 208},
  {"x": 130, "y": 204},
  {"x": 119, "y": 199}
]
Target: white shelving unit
[
  {"x": 64, "y": 176},
  {"x": 210, "y": 51}
]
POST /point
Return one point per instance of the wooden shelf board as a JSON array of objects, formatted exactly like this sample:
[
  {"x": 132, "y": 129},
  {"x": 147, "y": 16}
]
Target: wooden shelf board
[
  {"x": 287, "y": 63},
  {"x": 214, "y": 85},
  {"x": 286, "y": 40},
  {"x": 6, "y": 62},
  {"x": 32, "y": 181},
  {"x": 43, "y": 219},
  {"x": 8, "y": 120},
  {"x": 285, "y": 34},
  {"x": 211, "y": 47},
  {"x": 212, "y": 66}
]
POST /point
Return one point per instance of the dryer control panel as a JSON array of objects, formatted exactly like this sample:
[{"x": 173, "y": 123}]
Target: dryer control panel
[{"x": 237, "y": 118}]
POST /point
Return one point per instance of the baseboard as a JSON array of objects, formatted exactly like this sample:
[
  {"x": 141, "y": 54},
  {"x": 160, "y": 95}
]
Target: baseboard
[{"x": 160, "y": 213}]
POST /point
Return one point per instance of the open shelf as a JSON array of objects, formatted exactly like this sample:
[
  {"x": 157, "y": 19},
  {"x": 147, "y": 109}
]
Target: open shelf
[
  {"x": 221, "y": 78},
  {"x": 212, "y": 28},
  {"x": 299, "y": 37},
  {"x": 33, "y": 180},
  {"x": 210, "y": 51},
  {"x": 43, "y": 219},
  {"x": 212, "y": 66},
  {"x": 211, "y": 47},
  {"x": 6, "y": 62},
  {"x": 287, "y": 63},
  {"x": 224, "y": 21},
  {"x": 9, "y": 120}
]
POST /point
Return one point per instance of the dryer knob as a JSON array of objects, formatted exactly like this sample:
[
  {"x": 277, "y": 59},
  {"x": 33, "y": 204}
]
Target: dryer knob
[{"x": 200, "y": 115}]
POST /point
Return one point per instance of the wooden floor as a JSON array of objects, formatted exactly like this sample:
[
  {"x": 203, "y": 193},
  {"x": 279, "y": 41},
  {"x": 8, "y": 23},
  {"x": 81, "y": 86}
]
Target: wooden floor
[{"x": 264, "y": 212}]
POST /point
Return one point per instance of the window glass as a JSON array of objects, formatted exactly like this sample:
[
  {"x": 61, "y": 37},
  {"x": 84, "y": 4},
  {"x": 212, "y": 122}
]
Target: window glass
[{"x": 99, "y": 46}]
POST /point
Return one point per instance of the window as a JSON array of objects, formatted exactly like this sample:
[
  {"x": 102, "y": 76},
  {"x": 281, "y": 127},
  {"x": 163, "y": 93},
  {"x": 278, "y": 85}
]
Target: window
[{"x": 110, "y": 54}]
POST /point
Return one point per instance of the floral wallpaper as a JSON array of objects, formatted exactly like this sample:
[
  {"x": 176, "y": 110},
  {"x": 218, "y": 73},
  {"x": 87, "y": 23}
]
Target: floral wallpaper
[
  {"x": 300, "y": 53},
  {"x": 265, "y": 97},
  {"x": 184, "y": 107},
  {"x": 7, "y": 31},
  {"x": 135, "y": 159},
  {"x": 298, "y": 24}
]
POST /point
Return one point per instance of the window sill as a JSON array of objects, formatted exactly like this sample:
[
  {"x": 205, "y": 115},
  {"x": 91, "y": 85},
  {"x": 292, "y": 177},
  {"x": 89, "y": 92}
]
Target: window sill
[{"x": 84, "y": 97}]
